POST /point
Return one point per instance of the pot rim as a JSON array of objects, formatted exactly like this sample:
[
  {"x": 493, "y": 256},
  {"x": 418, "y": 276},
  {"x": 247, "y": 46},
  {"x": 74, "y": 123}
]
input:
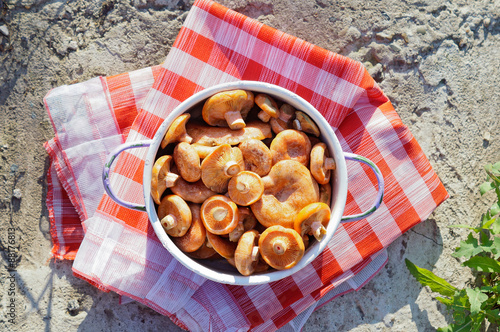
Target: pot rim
[{"x": 339, "y": 185}]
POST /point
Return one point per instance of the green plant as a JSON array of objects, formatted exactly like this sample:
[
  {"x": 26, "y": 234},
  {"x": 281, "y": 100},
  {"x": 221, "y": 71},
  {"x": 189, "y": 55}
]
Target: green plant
[{"x": 472, "y": 306}]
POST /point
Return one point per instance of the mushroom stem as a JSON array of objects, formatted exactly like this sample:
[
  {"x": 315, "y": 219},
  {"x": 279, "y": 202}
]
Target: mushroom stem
[
  {"x": 236, "y": 233},
  {"x": 264, "y": 116},
  {"x": 318, "y": 230},
  {"x": 234, "y": 120},
  {"x": 185, "y": 138},
  {"x": 219, "y": 213},
  {"x": 171, "y": 179},
  {"x": 242, "y": 187},
  {"x": 203, "y": 150},
  {"x": 169, "y": 222},
  {"x": 279, "y": 247},
  {"x": 255, "y": 254},
  {"x": 330, "y": 163},
  {"x": 231, "y": 168},
  {"x": 296, "y": 124}
]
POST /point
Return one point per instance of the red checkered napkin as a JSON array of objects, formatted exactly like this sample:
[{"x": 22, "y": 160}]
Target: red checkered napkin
[{"x": 120, "y": 251}]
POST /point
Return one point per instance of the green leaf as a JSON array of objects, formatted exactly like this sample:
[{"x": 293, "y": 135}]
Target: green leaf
[
  {"x": 493, "y": 316},
  {"x": 485, "y": 187},
  {"x": 484, "y": 264},
  {"x": 476, "y": 298},
  {"x": 427, "y": 278},
  {"x": 465, "y": 326},
  {"x": 468, "y": 248},
  {"x": 444, "y": 300},
  {"x": 496, "y": 166},
  {"x": 495, "y": 209},
  {"x": 495, "y": 226}
]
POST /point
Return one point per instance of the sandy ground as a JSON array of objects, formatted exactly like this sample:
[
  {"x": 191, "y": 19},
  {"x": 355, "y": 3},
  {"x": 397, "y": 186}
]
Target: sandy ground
[{"x": 438, "y": 61}]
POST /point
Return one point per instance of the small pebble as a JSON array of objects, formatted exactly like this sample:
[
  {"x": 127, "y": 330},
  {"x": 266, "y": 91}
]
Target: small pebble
[
  {"x": 487, "y": 22},
  {"x": 4, "y": 30},
  {"x": 17, "y": 193},
  {"x": 73, "y": 45},
  {"x": 395, "y": 47},
  {"x": 73, "y": 307},
  {"x": 421, "y": 30},
  {"x": 487, "y": 136},
  {"x": 384, "y": 36},
  {"x": 5, "y": 146},
  {"x": 14, "y": 168}
]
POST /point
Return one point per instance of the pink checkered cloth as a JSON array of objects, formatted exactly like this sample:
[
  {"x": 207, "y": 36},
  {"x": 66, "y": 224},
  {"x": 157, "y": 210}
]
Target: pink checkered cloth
[{"x": 119, "y": 250}]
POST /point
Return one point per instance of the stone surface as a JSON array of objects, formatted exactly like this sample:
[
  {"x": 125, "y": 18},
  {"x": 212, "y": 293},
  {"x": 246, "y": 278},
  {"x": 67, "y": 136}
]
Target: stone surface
[{"x": 436, "y": 60}]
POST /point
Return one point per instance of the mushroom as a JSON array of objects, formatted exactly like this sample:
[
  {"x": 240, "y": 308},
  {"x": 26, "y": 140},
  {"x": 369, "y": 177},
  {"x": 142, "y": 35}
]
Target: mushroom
[
  {"x": 268, "y": 106},
  {"x": 288, "y": 187},
  {"x": 204, "y": 252},
  {"x": 218, "y": 167},
  {"x": 325, "y": 193},
  {"x": 203, "y": 150},
  {"x": 245, "y": 188},
  {"x": 175, "y": 215},
  {"x": 257, "y": 156},
  {"x": 187, "y": 161},
  {"x": 161, "y": 177},
  {"x": 177, "y": 131},
  {"x": 228, "y": 108},
  {"x": 246, "y": 222},
  {"x": 222, "y": 246},
  {"x": 210, "y": 136},
  {"x": 291, "y": 144},
  {"x": 312, "y": 220},
  {"x": 281, "y": 248},
  {"x": 284, "y": 119},
  {"x": 246, "y": 255},
  {"x": 321, "y": 163},
  {"x": 219, "y": 215},
  {"x": 196, "y": 235},
  {"x": 305, "y": 123},
  {"x": 195, "y": 192}
]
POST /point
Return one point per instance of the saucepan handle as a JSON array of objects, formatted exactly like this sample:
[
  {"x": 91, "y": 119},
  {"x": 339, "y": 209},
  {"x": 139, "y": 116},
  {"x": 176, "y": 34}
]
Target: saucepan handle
[
  {"x": 106, "y": 170},
  {"x": 380, "y": 194}
]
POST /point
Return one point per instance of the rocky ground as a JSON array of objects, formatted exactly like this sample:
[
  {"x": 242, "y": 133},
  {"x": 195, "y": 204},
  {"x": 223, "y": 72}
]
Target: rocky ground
[{"x": 437, "y": 61}]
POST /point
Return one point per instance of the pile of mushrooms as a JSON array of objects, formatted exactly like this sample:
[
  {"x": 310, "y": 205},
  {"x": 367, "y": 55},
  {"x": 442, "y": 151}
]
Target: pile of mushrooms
[{"x": 247, "y": 181}]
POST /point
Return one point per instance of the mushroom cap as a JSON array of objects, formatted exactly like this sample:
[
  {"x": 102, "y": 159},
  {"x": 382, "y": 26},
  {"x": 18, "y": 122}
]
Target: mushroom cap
[
  {"x": 320, "y": 163},
  {"x": 306, "y": 124},
  {"x": 218, "y": 167},
  {"x": 245, "y": 257},
  {"x": 204, "y": 252},
  {"x": 219, "y": 215},
  {"x": 284, "y": 120},
  {"x": 257, "y": 156},
  {"x": 196, "y": 234},
  {"x": 161, "y": 177},
  {"x": 177, "y": 131},
  {"x": 195, "y": 192},
  {"x": 221, "y": 245},
  {"x": 268, "y": 105},
  {"x": 187, "y": 161},
  {"x": 288, "y": 187},
  {"x": 203, "y": 150},
  {"x": 325, "y": 193},
  {"x": 245, "y": 188},
  {"x": 175, "y": 215},
  {"x": 210, "y": 136},
  {"x": 246, "y": 222},
  {"x": 312, "y": 220},
  {"x": 228, "y": 108},
  {"x": 291, "y": 144},
  {"x": 281, "y": 248}
]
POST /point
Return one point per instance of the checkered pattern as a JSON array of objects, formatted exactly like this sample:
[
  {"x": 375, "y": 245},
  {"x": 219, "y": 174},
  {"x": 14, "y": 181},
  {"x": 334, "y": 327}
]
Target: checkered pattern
[{"x": 120, "y": 251}]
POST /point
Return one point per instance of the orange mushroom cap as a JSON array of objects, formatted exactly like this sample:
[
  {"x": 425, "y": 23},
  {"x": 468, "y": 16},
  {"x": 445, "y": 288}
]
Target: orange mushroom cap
[
  {"x": 196, "y": 234},
  {"x": 304, "y": 123},
  {"x": 246, "y": 222},
  {"x": 268, "y": 106},
  {"x": 204, "y": 252},
  {"x": 321, "y": 164},
  {"x": 281, "y": 248},
  {"x": 195, "y": 192},
  {"x": 284, "y": 120},
  {"x": 221, "y": 245},
  {"x": 177, "y": 131},
  {"x": 210, "y": 136},
  {"x": 257, "y": 156},
  {"x": 288, "y": 187},
  {"x": 245, "y": 188},
  {"x": 161, "y": 177},
  {"x": 187, "y": 161},
  {"x": 291, "y": 144},
  {"x": 219, "y": 214},
  {"x": 228, "y": 108},
  {"x": 246, "y": 256},
  {"x": 312, "y": 220},
  {"x": 218, "y": 167},
  {"x": 175, "y": 215}
]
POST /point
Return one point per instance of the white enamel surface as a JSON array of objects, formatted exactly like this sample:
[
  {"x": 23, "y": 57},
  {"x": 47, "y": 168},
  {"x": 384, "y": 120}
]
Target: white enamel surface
[{"x": 220, "y": 271}]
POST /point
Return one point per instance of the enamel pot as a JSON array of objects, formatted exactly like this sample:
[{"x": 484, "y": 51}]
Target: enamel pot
[{"x": 221, "y": 271}]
